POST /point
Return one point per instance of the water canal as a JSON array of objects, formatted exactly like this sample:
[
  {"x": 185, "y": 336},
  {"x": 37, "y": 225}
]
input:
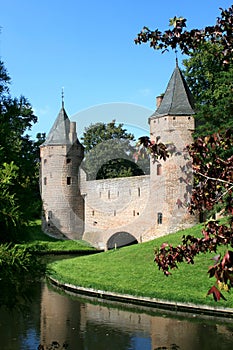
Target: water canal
[{"x": 80, "y": 324}]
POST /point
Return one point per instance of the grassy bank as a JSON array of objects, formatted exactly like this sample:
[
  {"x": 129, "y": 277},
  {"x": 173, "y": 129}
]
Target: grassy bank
[
  {"x": 131, "y": 270},
  {"x": 36, "y": 238}
]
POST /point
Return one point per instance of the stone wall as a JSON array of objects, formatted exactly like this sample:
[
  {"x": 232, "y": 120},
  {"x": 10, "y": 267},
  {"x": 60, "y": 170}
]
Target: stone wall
[{"x": 114, "y": 206}]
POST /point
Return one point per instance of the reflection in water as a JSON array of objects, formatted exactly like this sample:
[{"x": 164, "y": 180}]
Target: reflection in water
[{"x": 77, "y": 324}]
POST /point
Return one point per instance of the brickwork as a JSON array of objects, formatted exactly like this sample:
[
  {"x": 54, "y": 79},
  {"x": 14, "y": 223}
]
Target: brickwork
[
  {"x": 115, "y": 205},
  {"x": 63, "y": 213},
  {"x": 176, "y": 132}
]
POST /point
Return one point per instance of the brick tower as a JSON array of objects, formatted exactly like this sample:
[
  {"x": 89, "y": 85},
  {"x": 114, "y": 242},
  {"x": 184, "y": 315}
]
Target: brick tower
[
  {"x": 61, "y": 156},
  {"x": 173, "y": 123}
]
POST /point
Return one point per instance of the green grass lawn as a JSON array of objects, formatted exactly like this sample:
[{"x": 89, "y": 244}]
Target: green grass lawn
[
  {"x": 34, "y": 237},
  {"x": 131, "y": 270}
]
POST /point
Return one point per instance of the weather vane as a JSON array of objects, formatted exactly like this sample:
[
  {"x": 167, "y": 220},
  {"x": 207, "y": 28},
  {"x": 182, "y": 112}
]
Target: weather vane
[
  {"x": 62, "y": 97},
  {"x": 176, "y": 57}
]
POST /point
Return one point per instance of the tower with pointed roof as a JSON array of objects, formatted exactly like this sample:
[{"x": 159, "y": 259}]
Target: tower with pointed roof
[
  {"x": 61, "y": 156},
  {"x": 173, "y": 124},
  {"x": 121, "y": 211}
]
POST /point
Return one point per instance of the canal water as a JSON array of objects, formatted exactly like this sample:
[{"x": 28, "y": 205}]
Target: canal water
[{"x": 54, "y": 320}]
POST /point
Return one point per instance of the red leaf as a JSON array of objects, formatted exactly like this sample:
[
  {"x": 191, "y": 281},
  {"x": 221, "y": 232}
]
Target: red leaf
[
  {"x": 227, "y": 260},
  {"x": 164, "y": 245},
  {"x": 217, "y": 295},
  {"x": 211, "y": 271}
]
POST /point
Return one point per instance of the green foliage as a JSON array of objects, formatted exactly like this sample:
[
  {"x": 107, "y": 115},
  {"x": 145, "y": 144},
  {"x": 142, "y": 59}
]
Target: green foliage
[
  {"x": 10, "y": 215},
  {"x": 19, "y": 267},
  {"x": 21, "y": 264},
  {"x": 100, "y": 132},
  {"x": 211, "y": 86},
  {"x": 109, "y": 152},
  {"x": 19, "y": 161}
]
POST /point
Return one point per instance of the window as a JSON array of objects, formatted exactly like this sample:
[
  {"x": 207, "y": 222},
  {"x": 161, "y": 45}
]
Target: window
[
  {"x": 133, "y": 212},
  {"x": 50, "y": 214},
  {"x": 139, "y": 192},
  {"x": 93, "y": 213},
  {"x": 68, "y": 160},
  {"x": 45, "y": 180},
  {"x": 68, "y": 180},
  {"x": 108, "y": 194},
  {"x": 114, "y": 213},
  {"x": 160, "y": 218},
  {"x": 45, "y": 161},
  {"x": 159, "y": 169}
]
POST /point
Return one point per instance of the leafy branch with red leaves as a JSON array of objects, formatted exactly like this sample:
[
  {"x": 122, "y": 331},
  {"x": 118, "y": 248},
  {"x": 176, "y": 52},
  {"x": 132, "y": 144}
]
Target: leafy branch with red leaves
[
  {"x": 156, "y": 149},
  {"x": 220, "y": 33}
]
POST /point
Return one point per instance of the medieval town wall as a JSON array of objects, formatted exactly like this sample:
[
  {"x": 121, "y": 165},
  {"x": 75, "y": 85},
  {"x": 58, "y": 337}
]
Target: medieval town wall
[{"x": 114, "y": 206}]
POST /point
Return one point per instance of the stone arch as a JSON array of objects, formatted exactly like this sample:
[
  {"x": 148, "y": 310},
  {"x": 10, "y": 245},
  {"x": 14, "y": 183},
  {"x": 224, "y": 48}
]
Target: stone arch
[{"x": 121, "y": 239}]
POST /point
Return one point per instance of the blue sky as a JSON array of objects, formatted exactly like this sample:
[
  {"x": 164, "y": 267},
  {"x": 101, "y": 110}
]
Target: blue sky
[{"x": 88, "y": 48}]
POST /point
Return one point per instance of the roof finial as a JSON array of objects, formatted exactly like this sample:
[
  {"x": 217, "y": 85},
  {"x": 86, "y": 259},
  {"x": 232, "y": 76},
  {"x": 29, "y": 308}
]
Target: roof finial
[
  {"x": 176, "y": 57},
  {"x": 62, "y": 97}
]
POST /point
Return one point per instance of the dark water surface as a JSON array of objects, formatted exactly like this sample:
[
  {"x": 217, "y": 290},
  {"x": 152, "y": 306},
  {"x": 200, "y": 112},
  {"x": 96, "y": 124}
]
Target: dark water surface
[{"x": 83, "y": 324}]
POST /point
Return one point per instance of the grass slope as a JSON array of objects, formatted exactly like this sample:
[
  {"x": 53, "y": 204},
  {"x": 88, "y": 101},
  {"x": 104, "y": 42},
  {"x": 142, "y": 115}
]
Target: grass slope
[
  {"x": 35, "y": 237},
  {"x": 131, "y": 270}
]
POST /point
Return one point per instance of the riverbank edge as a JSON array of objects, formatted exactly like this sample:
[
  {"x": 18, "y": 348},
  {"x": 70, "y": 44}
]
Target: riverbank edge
[{"x": 145, "y": 301}]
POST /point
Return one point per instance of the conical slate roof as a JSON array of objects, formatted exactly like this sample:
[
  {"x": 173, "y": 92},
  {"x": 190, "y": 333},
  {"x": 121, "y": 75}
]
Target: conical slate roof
[
  {"x": 177, "y": 99},
  {"x": 59, "y": 133}
]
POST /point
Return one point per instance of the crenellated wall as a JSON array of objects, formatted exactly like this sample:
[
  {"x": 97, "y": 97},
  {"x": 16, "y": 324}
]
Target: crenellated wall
[{"x": 115, "y": 205}]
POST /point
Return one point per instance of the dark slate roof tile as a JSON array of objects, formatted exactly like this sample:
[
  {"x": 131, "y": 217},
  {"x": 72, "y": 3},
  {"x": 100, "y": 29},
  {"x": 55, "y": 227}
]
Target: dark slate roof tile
[
  {"x": 177, "y": 99},
  {"x": 59, "y": 133}
]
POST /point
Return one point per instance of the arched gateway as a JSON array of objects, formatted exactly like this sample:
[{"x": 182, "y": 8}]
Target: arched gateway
[{"x": 121, "y": 239}]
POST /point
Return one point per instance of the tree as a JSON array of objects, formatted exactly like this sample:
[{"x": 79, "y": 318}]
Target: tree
[
  {"x": 19, "y": 161},
  {"x": 211, "y": 86},
  {"x": 19, "y": 195},
  {"x": 10, "y": 215},
  {"x": 109, "y": 152}
]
